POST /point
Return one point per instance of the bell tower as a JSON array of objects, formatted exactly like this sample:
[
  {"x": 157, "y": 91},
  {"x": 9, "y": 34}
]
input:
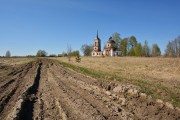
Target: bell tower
[{"x": 97, "y": 43}]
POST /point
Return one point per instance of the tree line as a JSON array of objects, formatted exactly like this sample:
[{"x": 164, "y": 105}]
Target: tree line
[
  {"x": 131, "y": 47},
  {"x": 173, "y": 48},
  {"x": 128, "y": 45},
  {"x": 70, "y": 53}
]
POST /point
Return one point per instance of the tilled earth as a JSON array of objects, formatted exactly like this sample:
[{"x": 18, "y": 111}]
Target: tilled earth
[{"x": 44, "y": 89}]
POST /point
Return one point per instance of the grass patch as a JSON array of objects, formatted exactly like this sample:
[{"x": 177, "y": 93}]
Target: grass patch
[
  {"x": 91, "y": 72},
  {"x": 156, "y": 90}
]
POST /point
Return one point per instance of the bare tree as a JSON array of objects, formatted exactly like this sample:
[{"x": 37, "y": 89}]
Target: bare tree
[
  {"x": 86, "y": 49},
  {"x": 179, "y": 46},
  {"x": 146, "y": 49},
  {"x": 69, "y": 50},
  {"x": 173, "y": 48}
]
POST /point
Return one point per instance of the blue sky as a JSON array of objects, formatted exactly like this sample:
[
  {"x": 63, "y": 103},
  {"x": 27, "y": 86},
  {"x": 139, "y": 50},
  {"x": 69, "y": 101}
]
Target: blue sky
[{"x": 29, "y": 25}]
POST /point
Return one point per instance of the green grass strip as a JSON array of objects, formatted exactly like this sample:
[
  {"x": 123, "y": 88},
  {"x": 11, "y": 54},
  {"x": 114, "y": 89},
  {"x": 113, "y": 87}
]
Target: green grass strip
[{"x": 146, "y": 86}]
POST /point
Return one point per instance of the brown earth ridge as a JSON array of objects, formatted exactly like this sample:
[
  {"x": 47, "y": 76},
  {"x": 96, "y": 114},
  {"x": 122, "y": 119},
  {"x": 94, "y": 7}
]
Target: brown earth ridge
[{"x": 44, "y": 89}]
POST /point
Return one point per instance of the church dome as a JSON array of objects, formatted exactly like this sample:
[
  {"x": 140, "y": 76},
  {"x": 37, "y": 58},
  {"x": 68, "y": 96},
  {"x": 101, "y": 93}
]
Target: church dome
[{"x": 111, "y": 40}]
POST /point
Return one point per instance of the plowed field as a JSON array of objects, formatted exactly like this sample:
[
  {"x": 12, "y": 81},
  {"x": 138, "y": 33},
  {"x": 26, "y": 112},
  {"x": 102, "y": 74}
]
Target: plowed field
[{"x": 44, "y": 89}]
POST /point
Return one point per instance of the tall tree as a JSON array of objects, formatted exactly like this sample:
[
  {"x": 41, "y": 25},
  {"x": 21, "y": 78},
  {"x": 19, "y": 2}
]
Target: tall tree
[
  {"x": 156, "y": 50},
  {"x": 117, "y": 38},
  {"x": 169, "y": 49},
  {"x": 146, "y": 49},
  {"x": 124, "y": 44},
  {"x": 138, "y": 50},
  {"x": 132, "y": 41},
  {"x": 8, "y": 54},
  {"x": 86, "y": 49}
]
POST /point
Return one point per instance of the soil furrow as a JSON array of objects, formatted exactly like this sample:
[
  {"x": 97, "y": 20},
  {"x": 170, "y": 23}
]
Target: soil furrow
[
  {"x": 81, "y": 103},
  {"x": 14, "y": 85},
  {"x": 26, "y": 112},
  {"x": 45, "y": 90},
  {"x": 6, "y": 85},
  {"x": 21, "y": 84},
  {"x": 6, "y": 99},
  {"x": 46, "y": 107},
  {"x": 94, "y": 95},
  {"x": 15, "y": 75}
]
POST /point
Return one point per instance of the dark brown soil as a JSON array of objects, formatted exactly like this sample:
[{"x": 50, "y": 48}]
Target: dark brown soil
[{"x": 44, "y": 89}]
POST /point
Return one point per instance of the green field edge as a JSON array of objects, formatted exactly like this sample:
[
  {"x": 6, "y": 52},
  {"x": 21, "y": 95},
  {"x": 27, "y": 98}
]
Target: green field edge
[{"x": 150, "y": 88}]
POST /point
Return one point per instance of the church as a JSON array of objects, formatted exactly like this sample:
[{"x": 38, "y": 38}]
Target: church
[{"x": 109, "y": 50}]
